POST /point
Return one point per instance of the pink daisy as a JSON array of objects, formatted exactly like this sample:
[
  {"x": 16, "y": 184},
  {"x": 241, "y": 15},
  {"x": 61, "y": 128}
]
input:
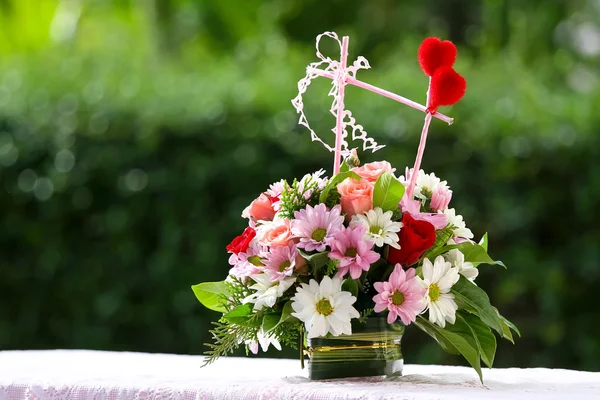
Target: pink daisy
[
  {"x": 281, "y": 262},
  {"x": 247, "y": 263},
  {"x": 316, "y": 226},
  {"x": 355, "y": 253},
  {"x": 402, "y": 295}
]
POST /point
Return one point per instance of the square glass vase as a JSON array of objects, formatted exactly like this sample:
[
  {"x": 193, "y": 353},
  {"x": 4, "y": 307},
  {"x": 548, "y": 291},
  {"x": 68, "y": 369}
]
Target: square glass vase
[{"x": 373, "y": 349}]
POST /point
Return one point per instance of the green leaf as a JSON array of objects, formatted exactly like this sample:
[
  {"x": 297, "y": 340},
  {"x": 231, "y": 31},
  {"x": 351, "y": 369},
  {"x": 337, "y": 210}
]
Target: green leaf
[
  {"x": 509, "y": 325},
  {"x": 457, "y": 337},
  {"x": 388, "y": 192},
  {"x": 336, "y": 180},
  {"x": 506, "y": 332},
  {"x": 441, "y": 238},
  {"x": 272, "y": 321},
  {"x": 210, "y": 294},
  {"x": 240, "y": 314},
  {"x": 431, "y": 330},
  {"x": 485, "y": 339},
  {"x": 473, "y": 299},
  {"x": 350, "y": 285},
  {"x": 344, "y": 167},
  {"x": 484, "y": 242},
  {"x": 476, "y": 254},
  {"x": 287, "y": 311}
]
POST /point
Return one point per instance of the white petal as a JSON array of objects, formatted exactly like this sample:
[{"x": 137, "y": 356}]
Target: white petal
[
  {"x": 449, "y": 279},
  {"x": 326, "y": 287},
  {"x": 427, "y": 271}
]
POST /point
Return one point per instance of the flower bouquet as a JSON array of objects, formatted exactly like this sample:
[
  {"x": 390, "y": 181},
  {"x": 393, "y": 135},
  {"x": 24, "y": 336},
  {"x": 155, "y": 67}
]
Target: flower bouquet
[{"x": 339, "y": 266}]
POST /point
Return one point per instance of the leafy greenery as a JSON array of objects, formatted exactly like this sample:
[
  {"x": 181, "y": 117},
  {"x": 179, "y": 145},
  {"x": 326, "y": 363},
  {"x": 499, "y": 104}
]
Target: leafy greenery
[
  {"x": 226, "y": 338},
  {"x": 364, "y": 314},
  {"x": 456, "y": 338},
  {"x": 388, "y": 192},
  {"x": 473, "y": 299},
  {"x": 334, "y": 181},
  {"x": 298, "y": 195},
  {"x": 210, "y": 294}
]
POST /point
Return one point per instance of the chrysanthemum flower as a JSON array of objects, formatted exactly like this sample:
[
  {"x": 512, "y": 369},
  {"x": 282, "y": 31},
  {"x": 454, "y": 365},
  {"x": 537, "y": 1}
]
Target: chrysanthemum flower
[
  {"x": 460, "y": 228},
  {"x": 402, "y": 295},
  {"x": 249, "y": 262},
  {"x": 324, "y": 308},
  {"x": 354, "y": 252},
  {"x": 438, "y": 279},
  {"x": 425, "y": 185},
  {"x": 316, "y": 226},
  {"x": 267, "y": 292},
  {"x": 380, "y": 227},
  {"x": 281, "y": 261},
  {"x": 466, "y": 269}
]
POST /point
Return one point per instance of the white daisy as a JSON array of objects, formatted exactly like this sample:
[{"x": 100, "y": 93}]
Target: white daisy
[
  {"x": 267, "y": 292},
  {"x": 425, "y": 185},
  {"x": 438, "y": 279},
  {"x": 380, "y": 227},
  {"x": 460, "y": 228},
  {"x": 324, "y": 308},
  {"x": 466, "y": 269},
  {"x": 264, "y": 341}
]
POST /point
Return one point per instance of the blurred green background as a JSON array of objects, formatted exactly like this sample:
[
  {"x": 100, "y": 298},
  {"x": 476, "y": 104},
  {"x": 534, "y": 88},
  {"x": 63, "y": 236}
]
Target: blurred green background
[{"x": 133, "y": 133}]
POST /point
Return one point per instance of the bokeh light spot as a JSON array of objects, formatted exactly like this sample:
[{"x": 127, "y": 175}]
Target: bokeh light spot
[
  {"x": 43, "y": 189},
  {"x": 136, "y": 180},
  {"x": 64, "y": 160}
]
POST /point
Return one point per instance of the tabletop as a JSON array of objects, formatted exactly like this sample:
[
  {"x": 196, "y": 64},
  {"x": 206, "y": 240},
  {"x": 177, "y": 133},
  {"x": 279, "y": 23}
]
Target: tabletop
[{"x": 81, "y": 374}]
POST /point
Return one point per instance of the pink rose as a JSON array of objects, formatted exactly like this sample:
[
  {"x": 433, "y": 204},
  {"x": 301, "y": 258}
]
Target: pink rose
[
  {"x": 357, "y": 196},
  {"x": 260, "y": 209},
  {"x": 279, "y": 234},
  {"x": 440, "y": 198},
  {"x": 372, "y": 171}
]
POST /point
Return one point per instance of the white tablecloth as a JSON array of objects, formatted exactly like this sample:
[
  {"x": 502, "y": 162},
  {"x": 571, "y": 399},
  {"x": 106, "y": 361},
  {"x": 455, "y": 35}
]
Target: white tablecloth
[{"x": 80, "y": 375}]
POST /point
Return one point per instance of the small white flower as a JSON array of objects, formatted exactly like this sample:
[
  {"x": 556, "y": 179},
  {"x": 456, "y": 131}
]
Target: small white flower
[
  {"x": 466, "y": 269},
  {"x": 460, "y": 228},
  {"x": 267, "y": 292},
  {"x": 264, "y": 341},
  {"x": 324, "y": 308},
  {"x": 380, "y": 227},
  {"x": 425, "y": 185},
  {"x": 438, "y": 279}
]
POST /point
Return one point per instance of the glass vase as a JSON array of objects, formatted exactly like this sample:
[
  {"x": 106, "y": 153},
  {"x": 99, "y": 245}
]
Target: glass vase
[{"x": 373, "y": 349}]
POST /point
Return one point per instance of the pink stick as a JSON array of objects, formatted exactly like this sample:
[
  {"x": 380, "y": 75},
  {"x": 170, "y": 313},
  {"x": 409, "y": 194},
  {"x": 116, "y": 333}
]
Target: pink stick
[
  {"x": 339, "y": 126},
  {"x": 417, "y": 167},
  {"x": 383, "y": 92}
]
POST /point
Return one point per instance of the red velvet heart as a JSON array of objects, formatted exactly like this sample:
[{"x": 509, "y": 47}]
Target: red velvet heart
[
  {"x": 447, "y": 88},
  {"x": 434, "y": 53}
]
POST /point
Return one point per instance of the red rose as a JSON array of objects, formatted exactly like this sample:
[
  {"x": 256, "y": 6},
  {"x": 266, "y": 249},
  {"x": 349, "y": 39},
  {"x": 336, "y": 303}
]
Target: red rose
[
  {"x": 416, "y": 237},
  {"x": 241, "y": 243}
]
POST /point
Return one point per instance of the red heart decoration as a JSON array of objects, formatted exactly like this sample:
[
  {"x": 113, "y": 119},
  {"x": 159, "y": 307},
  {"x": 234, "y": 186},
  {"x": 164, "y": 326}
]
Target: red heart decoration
[
  {"x": 447, "y": 88},
  {"x": 434, "y": 53}
]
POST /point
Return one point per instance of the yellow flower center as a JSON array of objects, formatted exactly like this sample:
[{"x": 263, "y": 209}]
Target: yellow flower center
[
  {"x": 284, "y": 265},
  {"x": 319, "y": 234},
  {"x": 434, "y": 292},
  {"x": 376, "y": 230},
  {"x": 255, "y": 260},
  {"x": 324, "y": 307},
  {"x": 351, "y": 252},
  {"x": 397, "y": 298}
]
